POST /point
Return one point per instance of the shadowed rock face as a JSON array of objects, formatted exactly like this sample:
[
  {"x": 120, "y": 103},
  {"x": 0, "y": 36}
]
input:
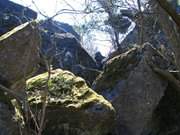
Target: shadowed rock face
[
  {"x": 133, "y": 88},
  {"x": 120, "y": 23},
  {"x": 19, "y": 57},
  {"x": 152, "y": 32},
  {"x": 89, "y": 74},
  {"x": 166, "y": 117},
  {"x": 62, "y": 44},
  {"x": 99, "y": 59},
  {"x": 63, "y": 47},
  {"x": 7, "y": 125},
  {"x": 12, "y": 15},
  {"x": 59, "y": 27},
  {"x": 19, "y": 54},
  {"x": 72, "y": 107}
]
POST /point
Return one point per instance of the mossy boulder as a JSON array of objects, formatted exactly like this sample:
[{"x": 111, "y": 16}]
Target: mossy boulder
[{"x": 72, "y": 107}]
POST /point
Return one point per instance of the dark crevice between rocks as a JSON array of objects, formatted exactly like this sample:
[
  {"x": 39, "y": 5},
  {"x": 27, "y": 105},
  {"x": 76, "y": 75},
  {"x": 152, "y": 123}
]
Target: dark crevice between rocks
[
  {"x": 4, "y": 82},
  {"x": 3, "y": 96},
  {"x": 166, "y": 117}
]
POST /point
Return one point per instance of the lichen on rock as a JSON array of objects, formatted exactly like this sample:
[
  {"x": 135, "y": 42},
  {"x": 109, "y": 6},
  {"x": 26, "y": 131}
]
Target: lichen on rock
[{"x": 70, "y": 101}]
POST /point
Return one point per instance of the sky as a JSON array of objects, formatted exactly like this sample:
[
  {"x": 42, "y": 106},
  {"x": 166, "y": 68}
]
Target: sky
[{"x": 50, "y": 7}]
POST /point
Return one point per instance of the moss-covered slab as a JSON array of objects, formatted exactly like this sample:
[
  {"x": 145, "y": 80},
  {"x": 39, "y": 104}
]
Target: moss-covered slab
[{"x": 72, "y": 107}]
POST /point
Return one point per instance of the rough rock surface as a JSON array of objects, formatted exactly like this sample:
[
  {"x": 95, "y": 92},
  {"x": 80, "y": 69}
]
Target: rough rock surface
[
  {"x": 12, "y": 15},
  {"x": 19, "y": 54},
  {"x": 18, "y": 58},
  {"x": 64, "y": 48},
  {"x": 133, "y": 88},
  {"x": 99, "y": 59},
  {"x": 119, "y": 23},
  {"x": 89, "y": 74},
  {"x": 152, "y": 32},
  {"x": 166, "y": 117},
  {"x": 8, "y": 126},
  {"x": 59, "y": 27},
  {"x": 72, "y": 107}
]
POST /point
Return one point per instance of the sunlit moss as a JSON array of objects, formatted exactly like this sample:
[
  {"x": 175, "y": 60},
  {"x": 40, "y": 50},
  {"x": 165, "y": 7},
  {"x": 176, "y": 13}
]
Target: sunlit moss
[{"x": 65, "y": 89}]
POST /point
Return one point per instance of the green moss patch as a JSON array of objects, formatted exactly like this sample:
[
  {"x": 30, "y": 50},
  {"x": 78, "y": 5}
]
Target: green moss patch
[{"x": 64, "y": 89}]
